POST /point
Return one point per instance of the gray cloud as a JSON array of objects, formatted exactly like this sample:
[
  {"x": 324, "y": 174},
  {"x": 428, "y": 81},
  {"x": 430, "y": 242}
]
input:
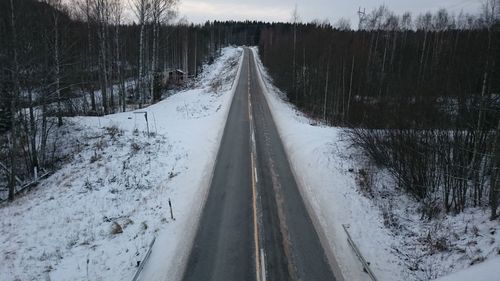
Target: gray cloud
[{"x": 280, "y": 10}]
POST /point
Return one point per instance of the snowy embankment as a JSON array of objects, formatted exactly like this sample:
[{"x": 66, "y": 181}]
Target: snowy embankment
[
  {"x": 95, "y": 218},
  {"x": 486, "y": 271},
  {"x": 386, "y": 226}
]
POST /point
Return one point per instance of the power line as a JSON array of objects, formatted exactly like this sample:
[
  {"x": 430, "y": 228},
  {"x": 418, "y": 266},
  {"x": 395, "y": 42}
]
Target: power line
[{"x": 462, "y": 4}]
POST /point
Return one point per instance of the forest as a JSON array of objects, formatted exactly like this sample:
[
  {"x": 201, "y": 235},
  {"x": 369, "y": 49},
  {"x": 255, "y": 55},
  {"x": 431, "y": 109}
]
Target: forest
[
  {"x": 86, "y": 58},
  {"x": 420, "y": 94}
]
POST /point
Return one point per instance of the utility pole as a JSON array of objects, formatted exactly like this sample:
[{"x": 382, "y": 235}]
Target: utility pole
[{"x": 361, "y": 15}]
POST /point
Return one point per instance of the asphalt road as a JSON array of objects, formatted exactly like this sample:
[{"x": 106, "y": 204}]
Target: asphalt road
[{"x": 254, "y": 225}]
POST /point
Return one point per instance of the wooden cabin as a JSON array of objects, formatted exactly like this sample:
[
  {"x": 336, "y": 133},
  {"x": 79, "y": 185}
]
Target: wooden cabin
[{"x": 173, "y": 77}]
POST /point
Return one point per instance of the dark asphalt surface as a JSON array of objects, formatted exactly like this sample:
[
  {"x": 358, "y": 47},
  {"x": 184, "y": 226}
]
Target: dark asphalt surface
[{"x": 225, "y": 246}]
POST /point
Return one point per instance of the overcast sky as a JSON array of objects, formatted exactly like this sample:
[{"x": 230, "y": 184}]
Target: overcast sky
[{"x": 199, "y": 11}]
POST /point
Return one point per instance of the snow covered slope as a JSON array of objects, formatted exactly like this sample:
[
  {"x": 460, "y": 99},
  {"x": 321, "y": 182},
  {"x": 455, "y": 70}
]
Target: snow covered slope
[{"x": 95, "y": 218}]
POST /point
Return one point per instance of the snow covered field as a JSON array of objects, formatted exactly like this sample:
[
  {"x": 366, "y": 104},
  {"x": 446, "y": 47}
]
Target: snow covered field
[
  {"x": 384, "y": 223},
  {"x": 95, "y": 218}
]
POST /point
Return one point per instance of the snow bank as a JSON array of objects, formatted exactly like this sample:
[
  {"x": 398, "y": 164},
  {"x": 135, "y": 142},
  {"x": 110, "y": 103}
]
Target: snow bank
[{"x": 95, "y": 218}]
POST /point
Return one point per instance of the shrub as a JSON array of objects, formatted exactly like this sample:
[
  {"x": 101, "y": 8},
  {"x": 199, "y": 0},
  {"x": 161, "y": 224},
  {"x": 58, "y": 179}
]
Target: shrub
[{"x": 116, "y": 228}]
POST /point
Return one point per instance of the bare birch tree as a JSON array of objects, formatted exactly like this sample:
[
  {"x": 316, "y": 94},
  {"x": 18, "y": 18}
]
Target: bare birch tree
[
  {"x": 142, "y": 10},
  {"x": 295, "y": 20},
  {"x": 57, "y": 58},
  {"x": 101, "y": 12},
  {"x": 161, "y": 12},
  {"x": 13, "y": 104},
  {"x": 116, "y": 19}
]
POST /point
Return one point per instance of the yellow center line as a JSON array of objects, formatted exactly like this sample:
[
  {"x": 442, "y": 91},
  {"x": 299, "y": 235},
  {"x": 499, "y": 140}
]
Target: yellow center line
[
  {"x": 255, "y": 224},
  {"x": 254, "y": 187}
]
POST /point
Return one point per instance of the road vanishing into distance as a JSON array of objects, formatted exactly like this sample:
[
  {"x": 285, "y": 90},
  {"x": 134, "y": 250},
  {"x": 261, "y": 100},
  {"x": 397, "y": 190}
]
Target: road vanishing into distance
[{"x": 254, "y": 224}]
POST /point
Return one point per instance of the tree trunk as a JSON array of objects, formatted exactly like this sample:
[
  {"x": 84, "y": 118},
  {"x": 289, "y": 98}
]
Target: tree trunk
[
  {"x": 13, "y": 107},
  {"x": 103, "y": 60},
  {"x": 89, "y": 62},
  {"x": 119, "y": 69},
  {"x": 33, "y": 133},
  {"x": 44, "y": 135},
  {"x": 195, "y": 54},
  {"x": 350, "y": 92},
  {"x": 57, "y": 69},
  {"x": 326, "y": 90},
  {"x": 153, "y": 63},
  {"x": 141, "y": 64},
  {"x": 294, "y": 63},
  {"x": 185, "y": 44},
  {"x": 424, "y": 44},
  {"x": 495, "y": 182}
]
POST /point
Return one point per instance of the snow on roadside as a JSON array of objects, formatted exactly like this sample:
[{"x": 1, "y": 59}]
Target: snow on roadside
[
  {"x": 386, "y": 227},
  {"x": 486, "y": 271},
  {"x": 95, "y": 218}
]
